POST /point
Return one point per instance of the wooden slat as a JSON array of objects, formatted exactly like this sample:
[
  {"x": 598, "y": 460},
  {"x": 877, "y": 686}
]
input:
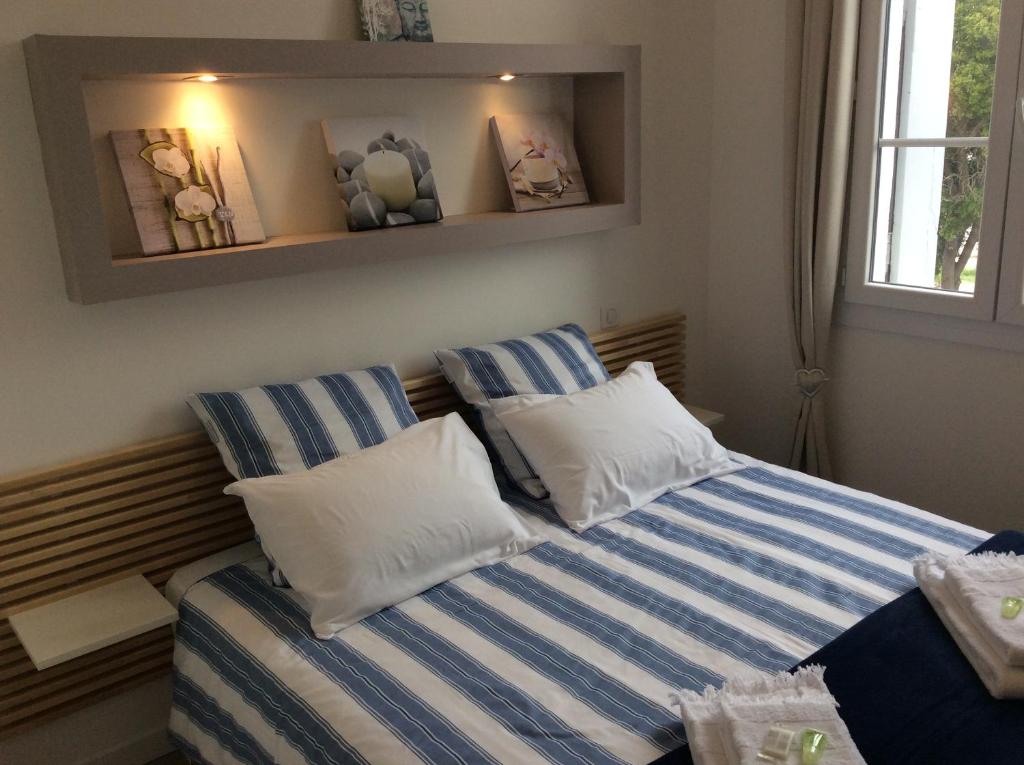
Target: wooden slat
[
  {"x": 22, "y": 666},
  {"x": 155, "y": 506},
  {"x": 122, "y": 562},
  {"x": 162, "y": 498},
  {"x": 432, "y": 413},
  {"x": 54, "y": 711},
  {"x": 99, "y": 545},
  {"x": 119, "y": 522},
  {"x": 117, "y": 472},
  {"x": 644, "y": 351},
  {"x": 669, "y": 333},
  {"x": 83, "y": 690},
  {"x": 432, "y": 396},
  {"x": 21, "y": 673},
  {"x": 439, "y": 408},
  {"x": 12, "y": 658},
  {"x": 18, "y": 664},
  {"x": 128, "y": 454},
  {"x": 637, "y": 328},
  {"x": 163, "y": 564},
  {"x": 67, "y": 676},
  {"x": 658, "y": 360},
  {"x": 210, "y": 467},
  {"x": 431, "y": 385}
]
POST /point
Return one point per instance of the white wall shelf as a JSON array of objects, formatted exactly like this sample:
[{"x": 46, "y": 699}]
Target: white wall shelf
[
  {"x": 66, "y": 629},
  {"x": 606, "y": 122}
]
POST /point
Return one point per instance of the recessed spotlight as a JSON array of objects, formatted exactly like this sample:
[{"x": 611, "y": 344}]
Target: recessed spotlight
[
  {"x": 506, "y": 77},
  {"x": 202, "y": 78}
]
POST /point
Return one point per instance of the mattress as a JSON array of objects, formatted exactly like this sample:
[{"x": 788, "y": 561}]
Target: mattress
[{"x": 565, "y": 654}]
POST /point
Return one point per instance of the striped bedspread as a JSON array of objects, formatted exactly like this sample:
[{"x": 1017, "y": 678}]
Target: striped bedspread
[{"x": 565, "y": 654}]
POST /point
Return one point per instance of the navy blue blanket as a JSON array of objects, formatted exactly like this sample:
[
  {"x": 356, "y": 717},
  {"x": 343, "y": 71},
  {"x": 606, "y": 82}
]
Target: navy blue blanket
[{"x": 907, "y": 694}]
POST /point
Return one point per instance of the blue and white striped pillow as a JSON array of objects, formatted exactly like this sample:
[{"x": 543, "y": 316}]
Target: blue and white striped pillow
[
  {"x": 558, "y": 361},
  {"x": 278, "y": 429}
]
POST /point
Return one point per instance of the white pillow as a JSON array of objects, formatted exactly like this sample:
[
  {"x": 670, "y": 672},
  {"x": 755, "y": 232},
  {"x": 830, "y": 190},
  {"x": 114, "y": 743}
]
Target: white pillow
[
  {"x": 612, "y": 448},
  {"x": 375, "y": 527}
]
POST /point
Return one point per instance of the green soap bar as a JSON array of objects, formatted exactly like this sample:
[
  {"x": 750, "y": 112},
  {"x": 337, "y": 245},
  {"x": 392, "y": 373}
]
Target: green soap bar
[
  {"x": 814, "y": 744},
  {"x": 1012, "y": 607}
]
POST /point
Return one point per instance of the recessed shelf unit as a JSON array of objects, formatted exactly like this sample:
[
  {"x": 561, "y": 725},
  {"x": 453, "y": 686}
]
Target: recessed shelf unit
[{"x": 606, "y": 119}]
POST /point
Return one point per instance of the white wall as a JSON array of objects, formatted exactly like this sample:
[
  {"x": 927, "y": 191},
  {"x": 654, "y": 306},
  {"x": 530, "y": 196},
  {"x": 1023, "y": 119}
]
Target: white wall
[
  {"x": 74, "y": 379},
  {"x": 935, "y": 424},
  {"x": 78, "y": 379},
  {"x": 750, "y": 373},
  {"x": 938, "y": 425}
]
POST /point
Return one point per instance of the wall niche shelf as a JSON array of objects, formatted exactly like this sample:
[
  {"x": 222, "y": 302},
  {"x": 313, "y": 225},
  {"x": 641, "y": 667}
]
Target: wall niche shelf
[{"x": 606, "y": 120}]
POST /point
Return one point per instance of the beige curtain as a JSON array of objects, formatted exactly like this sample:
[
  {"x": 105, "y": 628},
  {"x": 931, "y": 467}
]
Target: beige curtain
[{"x": 827, "y": 76}]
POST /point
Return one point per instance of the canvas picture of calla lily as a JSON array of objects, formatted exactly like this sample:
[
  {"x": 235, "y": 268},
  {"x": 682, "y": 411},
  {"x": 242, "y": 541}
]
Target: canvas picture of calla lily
[
  {"x": 382, "y": 171},
  {"x": 539, "y": 160},
  {"x": 187, "y": 189}
]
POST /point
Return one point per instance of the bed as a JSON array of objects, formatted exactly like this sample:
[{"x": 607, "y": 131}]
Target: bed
[{"x": 564, "y": 654}]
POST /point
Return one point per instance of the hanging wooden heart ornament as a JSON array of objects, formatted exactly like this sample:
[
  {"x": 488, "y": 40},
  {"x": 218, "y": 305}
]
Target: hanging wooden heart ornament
[{"x": 810, "y": 381}]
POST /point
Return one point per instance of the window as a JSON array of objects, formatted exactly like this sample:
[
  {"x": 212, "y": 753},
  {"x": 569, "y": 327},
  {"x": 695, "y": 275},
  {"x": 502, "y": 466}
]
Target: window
[{"x": 933, "y": 144}]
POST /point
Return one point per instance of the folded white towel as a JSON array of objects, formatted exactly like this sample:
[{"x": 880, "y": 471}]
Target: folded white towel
[
  {"x": 748, "y": 722},
  {"x": 702, "y": 717},
  {"x": 1002, "y": 680},
  {"x": 979, "y": 583},
  {"x": 721, "y": 722}
]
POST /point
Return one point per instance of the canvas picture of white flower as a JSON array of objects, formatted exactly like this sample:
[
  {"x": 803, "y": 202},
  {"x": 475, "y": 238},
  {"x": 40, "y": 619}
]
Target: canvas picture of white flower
[
  {"x": 187, "y": 189},
  {"x": 382, "y": 171},
  {"x": 539, "y": 160}
]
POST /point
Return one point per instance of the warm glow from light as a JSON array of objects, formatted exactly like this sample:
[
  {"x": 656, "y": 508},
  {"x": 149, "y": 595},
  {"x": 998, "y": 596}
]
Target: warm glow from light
[
  {"x": 200, "y": 108},
  {"x": 506, "y": 77},
  {"x": 203, "y": 78}
]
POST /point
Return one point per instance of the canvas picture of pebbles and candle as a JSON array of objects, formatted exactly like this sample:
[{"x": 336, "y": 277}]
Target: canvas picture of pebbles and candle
[
  {"x": 540, "y": 161},
  {"x": 382, "y": 170},
  {"x": 187, "y": 189}
]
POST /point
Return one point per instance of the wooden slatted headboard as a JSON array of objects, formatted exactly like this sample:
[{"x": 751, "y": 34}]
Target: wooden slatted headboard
[{"x": 155, "y": 506}]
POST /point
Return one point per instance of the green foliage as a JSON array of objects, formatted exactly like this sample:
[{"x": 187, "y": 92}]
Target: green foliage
[
  {"x": 972, "y": 77},
  {"x": 962, "y": 193},
  {"x": 975, "y": 34}
]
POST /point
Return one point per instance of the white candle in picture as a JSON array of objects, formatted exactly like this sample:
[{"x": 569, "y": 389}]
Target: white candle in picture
[
  {"x": 539, "y": 170},
  {"x": 390, "y": 177}
]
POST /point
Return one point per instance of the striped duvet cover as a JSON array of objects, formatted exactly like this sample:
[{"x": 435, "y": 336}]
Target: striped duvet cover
[{"x": 565, "y": 654}]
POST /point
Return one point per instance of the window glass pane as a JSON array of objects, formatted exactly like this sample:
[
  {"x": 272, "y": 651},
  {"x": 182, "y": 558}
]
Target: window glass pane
[
  {"x": 940, "y": 65},
  {"x": 935, "y": 195},
  {"x": 939, "y": 73},
  {"x": 973, "y": 67}
]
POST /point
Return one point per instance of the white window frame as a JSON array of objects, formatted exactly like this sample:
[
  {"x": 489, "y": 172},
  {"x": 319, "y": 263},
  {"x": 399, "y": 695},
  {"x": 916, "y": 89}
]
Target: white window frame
[
  {"x": 859, "y": 288},
  {"x": 1011, "y": 276}
]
